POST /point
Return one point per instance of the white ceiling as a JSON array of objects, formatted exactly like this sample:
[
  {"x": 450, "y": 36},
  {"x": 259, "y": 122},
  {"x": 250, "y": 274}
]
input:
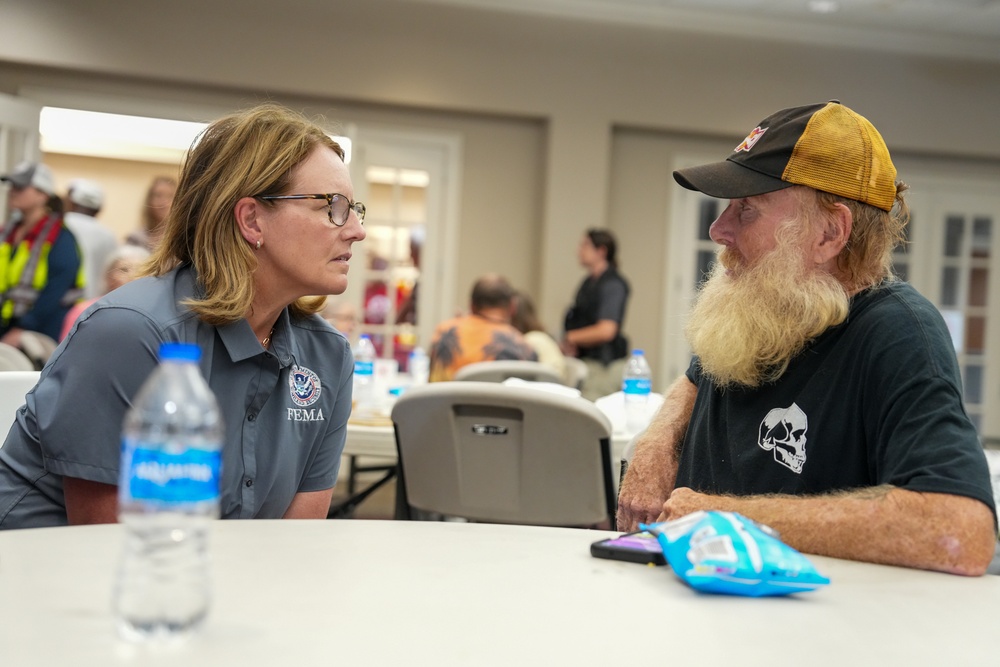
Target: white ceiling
[{"x": 954, "y": 28}]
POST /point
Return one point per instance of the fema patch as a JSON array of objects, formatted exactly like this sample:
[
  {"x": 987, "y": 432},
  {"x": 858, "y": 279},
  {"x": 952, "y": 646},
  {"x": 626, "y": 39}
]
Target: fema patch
[{"x": 304, "y": 386}]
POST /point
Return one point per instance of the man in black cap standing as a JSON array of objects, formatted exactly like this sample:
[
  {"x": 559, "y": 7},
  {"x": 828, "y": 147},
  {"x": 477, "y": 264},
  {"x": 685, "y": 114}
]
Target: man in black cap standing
[
  {"x": 40, "y": 276},
  {"x": 824, "y": 398}
]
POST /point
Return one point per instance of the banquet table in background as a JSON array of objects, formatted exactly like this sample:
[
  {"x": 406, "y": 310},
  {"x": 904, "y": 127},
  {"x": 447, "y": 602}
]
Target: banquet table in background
[{"x": 420, "y": 593}]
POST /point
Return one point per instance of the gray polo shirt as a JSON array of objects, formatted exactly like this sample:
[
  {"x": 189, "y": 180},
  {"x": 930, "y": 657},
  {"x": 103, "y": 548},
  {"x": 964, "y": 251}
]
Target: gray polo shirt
[{"x": 285, "y": 410}]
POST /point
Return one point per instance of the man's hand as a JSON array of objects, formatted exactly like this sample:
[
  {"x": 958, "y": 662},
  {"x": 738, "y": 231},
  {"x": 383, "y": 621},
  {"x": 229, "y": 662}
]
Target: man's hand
[
  {"x": 653, "y": 470},
  {"x": 684, "y": 501},
  {"x": 642, "y": 494}
]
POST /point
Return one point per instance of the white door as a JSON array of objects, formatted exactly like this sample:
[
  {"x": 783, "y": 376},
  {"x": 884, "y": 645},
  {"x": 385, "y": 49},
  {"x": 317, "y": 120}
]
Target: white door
[
  {"x": 19, "y": 139},
  {"x": 410, "y": 184},
  {"x": 954, "y": 260},
  {"x": 689, "y": 257}
]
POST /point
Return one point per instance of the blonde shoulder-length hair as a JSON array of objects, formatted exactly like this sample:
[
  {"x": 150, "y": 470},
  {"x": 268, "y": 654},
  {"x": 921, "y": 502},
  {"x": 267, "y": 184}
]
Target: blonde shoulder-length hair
[{"x": 241, "y": 155}]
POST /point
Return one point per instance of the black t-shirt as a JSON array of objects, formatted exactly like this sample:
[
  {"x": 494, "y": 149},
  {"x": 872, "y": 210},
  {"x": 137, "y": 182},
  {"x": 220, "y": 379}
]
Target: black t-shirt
[
  {"x": 601, "y": 298},
  {"x": 874, "y": 400}
]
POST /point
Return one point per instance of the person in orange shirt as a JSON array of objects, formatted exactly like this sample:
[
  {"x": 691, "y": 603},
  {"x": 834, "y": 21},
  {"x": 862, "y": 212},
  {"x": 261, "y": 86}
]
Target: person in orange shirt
[{"x": 484, "y": 335}]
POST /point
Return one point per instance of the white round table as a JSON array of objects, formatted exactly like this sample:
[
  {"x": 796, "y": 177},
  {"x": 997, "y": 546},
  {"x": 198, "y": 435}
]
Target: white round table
[{"x": 410, "y": 593}]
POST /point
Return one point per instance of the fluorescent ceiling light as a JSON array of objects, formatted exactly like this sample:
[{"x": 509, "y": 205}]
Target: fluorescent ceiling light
[
  {"x": 92, "y": 133},
  {"x": 824, "y": 6}
]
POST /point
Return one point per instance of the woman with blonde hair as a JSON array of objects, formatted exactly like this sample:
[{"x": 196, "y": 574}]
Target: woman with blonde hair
[{"x": 263, "y": 218}]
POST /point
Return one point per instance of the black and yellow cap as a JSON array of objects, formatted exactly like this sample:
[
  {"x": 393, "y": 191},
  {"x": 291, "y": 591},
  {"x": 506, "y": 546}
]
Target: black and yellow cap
[{"x": 825, "y": 146}]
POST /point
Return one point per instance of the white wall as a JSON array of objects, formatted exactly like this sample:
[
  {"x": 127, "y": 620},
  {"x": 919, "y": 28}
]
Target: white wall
[{"x": 547, "y": 103}]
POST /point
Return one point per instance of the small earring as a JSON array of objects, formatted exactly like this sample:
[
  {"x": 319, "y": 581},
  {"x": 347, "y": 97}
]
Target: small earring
[{"x": 258, "y": 244}]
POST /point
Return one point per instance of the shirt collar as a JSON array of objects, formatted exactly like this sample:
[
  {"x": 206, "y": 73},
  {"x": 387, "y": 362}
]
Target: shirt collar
[{"x": 242, "y": 343}]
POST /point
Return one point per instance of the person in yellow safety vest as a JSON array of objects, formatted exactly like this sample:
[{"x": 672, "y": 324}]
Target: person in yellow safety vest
[{"x": 41, "y": 273}]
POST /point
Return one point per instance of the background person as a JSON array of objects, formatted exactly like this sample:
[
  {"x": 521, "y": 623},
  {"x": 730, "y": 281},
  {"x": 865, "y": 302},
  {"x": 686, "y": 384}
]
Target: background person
[
  {"x": 121, "y": 267},
  {"x": 484, "y": 335},
  {"x": 525, "y": 320},
  {"x": 84, "y": 200},
  {"x": 263, "y": 218},
  {"x": 40, "y": 265},
  {"x": 155, "y": 210},
  {"x": 593, "y": 325},
  {"x": 825, "y": 398},
  {"x": 343, "y": 315}
]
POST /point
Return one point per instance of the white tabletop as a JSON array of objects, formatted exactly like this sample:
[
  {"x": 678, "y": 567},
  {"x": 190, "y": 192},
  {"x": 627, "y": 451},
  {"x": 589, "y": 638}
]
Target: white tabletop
[{"x": 411, "y": 593}]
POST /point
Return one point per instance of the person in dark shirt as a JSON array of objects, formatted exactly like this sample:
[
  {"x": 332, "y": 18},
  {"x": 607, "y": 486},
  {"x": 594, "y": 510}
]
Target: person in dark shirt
[
  {"x": 824, "y": 398},
  {"x": 593, "y": 325}
]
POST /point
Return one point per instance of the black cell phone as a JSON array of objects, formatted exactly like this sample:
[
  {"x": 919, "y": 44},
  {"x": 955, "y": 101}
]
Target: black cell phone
[{"x": 637, "y": 547}]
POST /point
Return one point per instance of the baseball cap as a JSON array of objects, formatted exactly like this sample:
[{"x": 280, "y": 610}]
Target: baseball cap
[
  {"x": 86, "y": 193},
  {"x": 825, "y": 146},
  {"x": 34, "y": 174}
]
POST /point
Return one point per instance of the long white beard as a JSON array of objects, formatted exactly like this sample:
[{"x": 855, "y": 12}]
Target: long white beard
[{"x": 748, "y": 324}]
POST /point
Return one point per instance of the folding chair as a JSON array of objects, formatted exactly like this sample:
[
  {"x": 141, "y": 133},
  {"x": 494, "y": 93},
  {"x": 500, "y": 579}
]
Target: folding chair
[
  {"x": 498, "y": 371},
  {"x": 490, "y": 452}
]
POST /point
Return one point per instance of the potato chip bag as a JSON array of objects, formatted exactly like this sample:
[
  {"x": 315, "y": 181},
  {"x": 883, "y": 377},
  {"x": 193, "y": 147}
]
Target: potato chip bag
[{"x": 725, "y": 552}]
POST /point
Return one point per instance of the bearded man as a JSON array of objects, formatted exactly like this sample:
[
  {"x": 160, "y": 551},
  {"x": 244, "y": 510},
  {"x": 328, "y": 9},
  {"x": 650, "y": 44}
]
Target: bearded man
[{"x": 824, "y": 398}]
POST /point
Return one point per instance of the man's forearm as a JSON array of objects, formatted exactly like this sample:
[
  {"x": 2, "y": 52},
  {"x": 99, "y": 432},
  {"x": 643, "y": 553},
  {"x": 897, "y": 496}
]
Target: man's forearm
[
  {"x": 883, "y": 524},
  {"x": 602, "y": 332},
  {"x": 653, "y": 469}
]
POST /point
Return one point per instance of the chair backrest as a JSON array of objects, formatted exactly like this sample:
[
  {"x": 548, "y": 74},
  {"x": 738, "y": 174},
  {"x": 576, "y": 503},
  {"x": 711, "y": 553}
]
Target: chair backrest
[
  {"x": 491, "y": 452},
  {"x": 498, "y": 371},
  {"x": 12, "y": 359},
  {"x": 576, "y": 372},
  {"x": 13, "y": 386},
  {"x": 37, "y": 347}
]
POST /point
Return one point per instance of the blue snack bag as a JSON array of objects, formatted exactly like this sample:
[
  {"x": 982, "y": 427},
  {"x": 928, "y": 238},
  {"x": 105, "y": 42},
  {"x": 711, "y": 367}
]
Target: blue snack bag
[{"x": 724, "y": 552}]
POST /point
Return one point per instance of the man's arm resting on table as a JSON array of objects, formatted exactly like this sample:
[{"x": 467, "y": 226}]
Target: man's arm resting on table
[
  {"x": 310, "y": 505},
  {"x": 653, "y": 470},
  {"x": 883, "y": 524},
  {"x": 89, "y": 502}
]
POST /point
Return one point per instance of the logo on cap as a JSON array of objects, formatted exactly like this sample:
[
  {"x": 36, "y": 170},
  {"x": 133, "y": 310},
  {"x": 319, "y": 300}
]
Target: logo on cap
[
  {"x": 751, "y": 139},
  {"x": 304, "y": 386}
]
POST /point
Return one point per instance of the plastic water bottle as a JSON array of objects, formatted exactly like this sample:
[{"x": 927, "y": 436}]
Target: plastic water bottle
[
  {"x": 364, "y": 376},
  {"x": 420, "y": 366},
  {"x": 168, "y": 492},
  {"x": 637, "y": 383}
]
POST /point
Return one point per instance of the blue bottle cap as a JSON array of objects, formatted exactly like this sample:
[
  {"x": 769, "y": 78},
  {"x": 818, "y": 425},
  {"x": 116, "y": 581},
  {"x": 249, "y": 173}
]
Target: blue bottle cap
[{"x": 179, "y": 352}]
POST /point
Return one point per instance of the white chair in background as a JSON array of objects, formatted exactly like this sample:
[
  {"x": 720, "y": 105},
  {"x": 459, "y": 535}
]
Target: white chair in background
[
  {"x": 37, "y": 347},
  {"x": 490, "y": 452},
  {"x": 498, "y": 371},
  {"x": 13, "y": 387},
  {"x": 12, "y": 359}
]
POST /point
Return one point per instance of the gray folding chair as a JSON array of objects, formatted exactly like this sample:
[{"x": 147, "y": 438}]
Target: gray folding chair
[
  {"x": 12, "y": 359},
  {"x": 491, "y": 452},
  {"x": 498, "y": 371},
  {"x": 13, "y": 387}
]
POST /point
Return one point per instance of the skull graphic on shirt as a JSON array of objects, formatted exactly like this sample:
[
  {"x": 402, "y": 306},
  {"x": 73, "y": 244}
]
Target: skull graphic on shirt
[{"x": 783, "y": 431}]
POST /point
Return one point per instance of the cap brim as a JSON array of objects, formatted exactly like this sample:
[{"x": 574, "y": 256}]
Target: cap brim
[
  {"x": 13, "y": 180},
  {"x": 728, "y": 180}
]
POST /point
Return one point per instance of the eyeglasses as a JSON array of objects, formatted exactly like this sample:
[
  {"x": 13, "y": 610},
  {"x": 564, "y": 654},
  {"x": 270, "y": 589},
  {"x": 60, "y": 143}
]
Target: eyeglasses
[{"x": 338, "y": 206}]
